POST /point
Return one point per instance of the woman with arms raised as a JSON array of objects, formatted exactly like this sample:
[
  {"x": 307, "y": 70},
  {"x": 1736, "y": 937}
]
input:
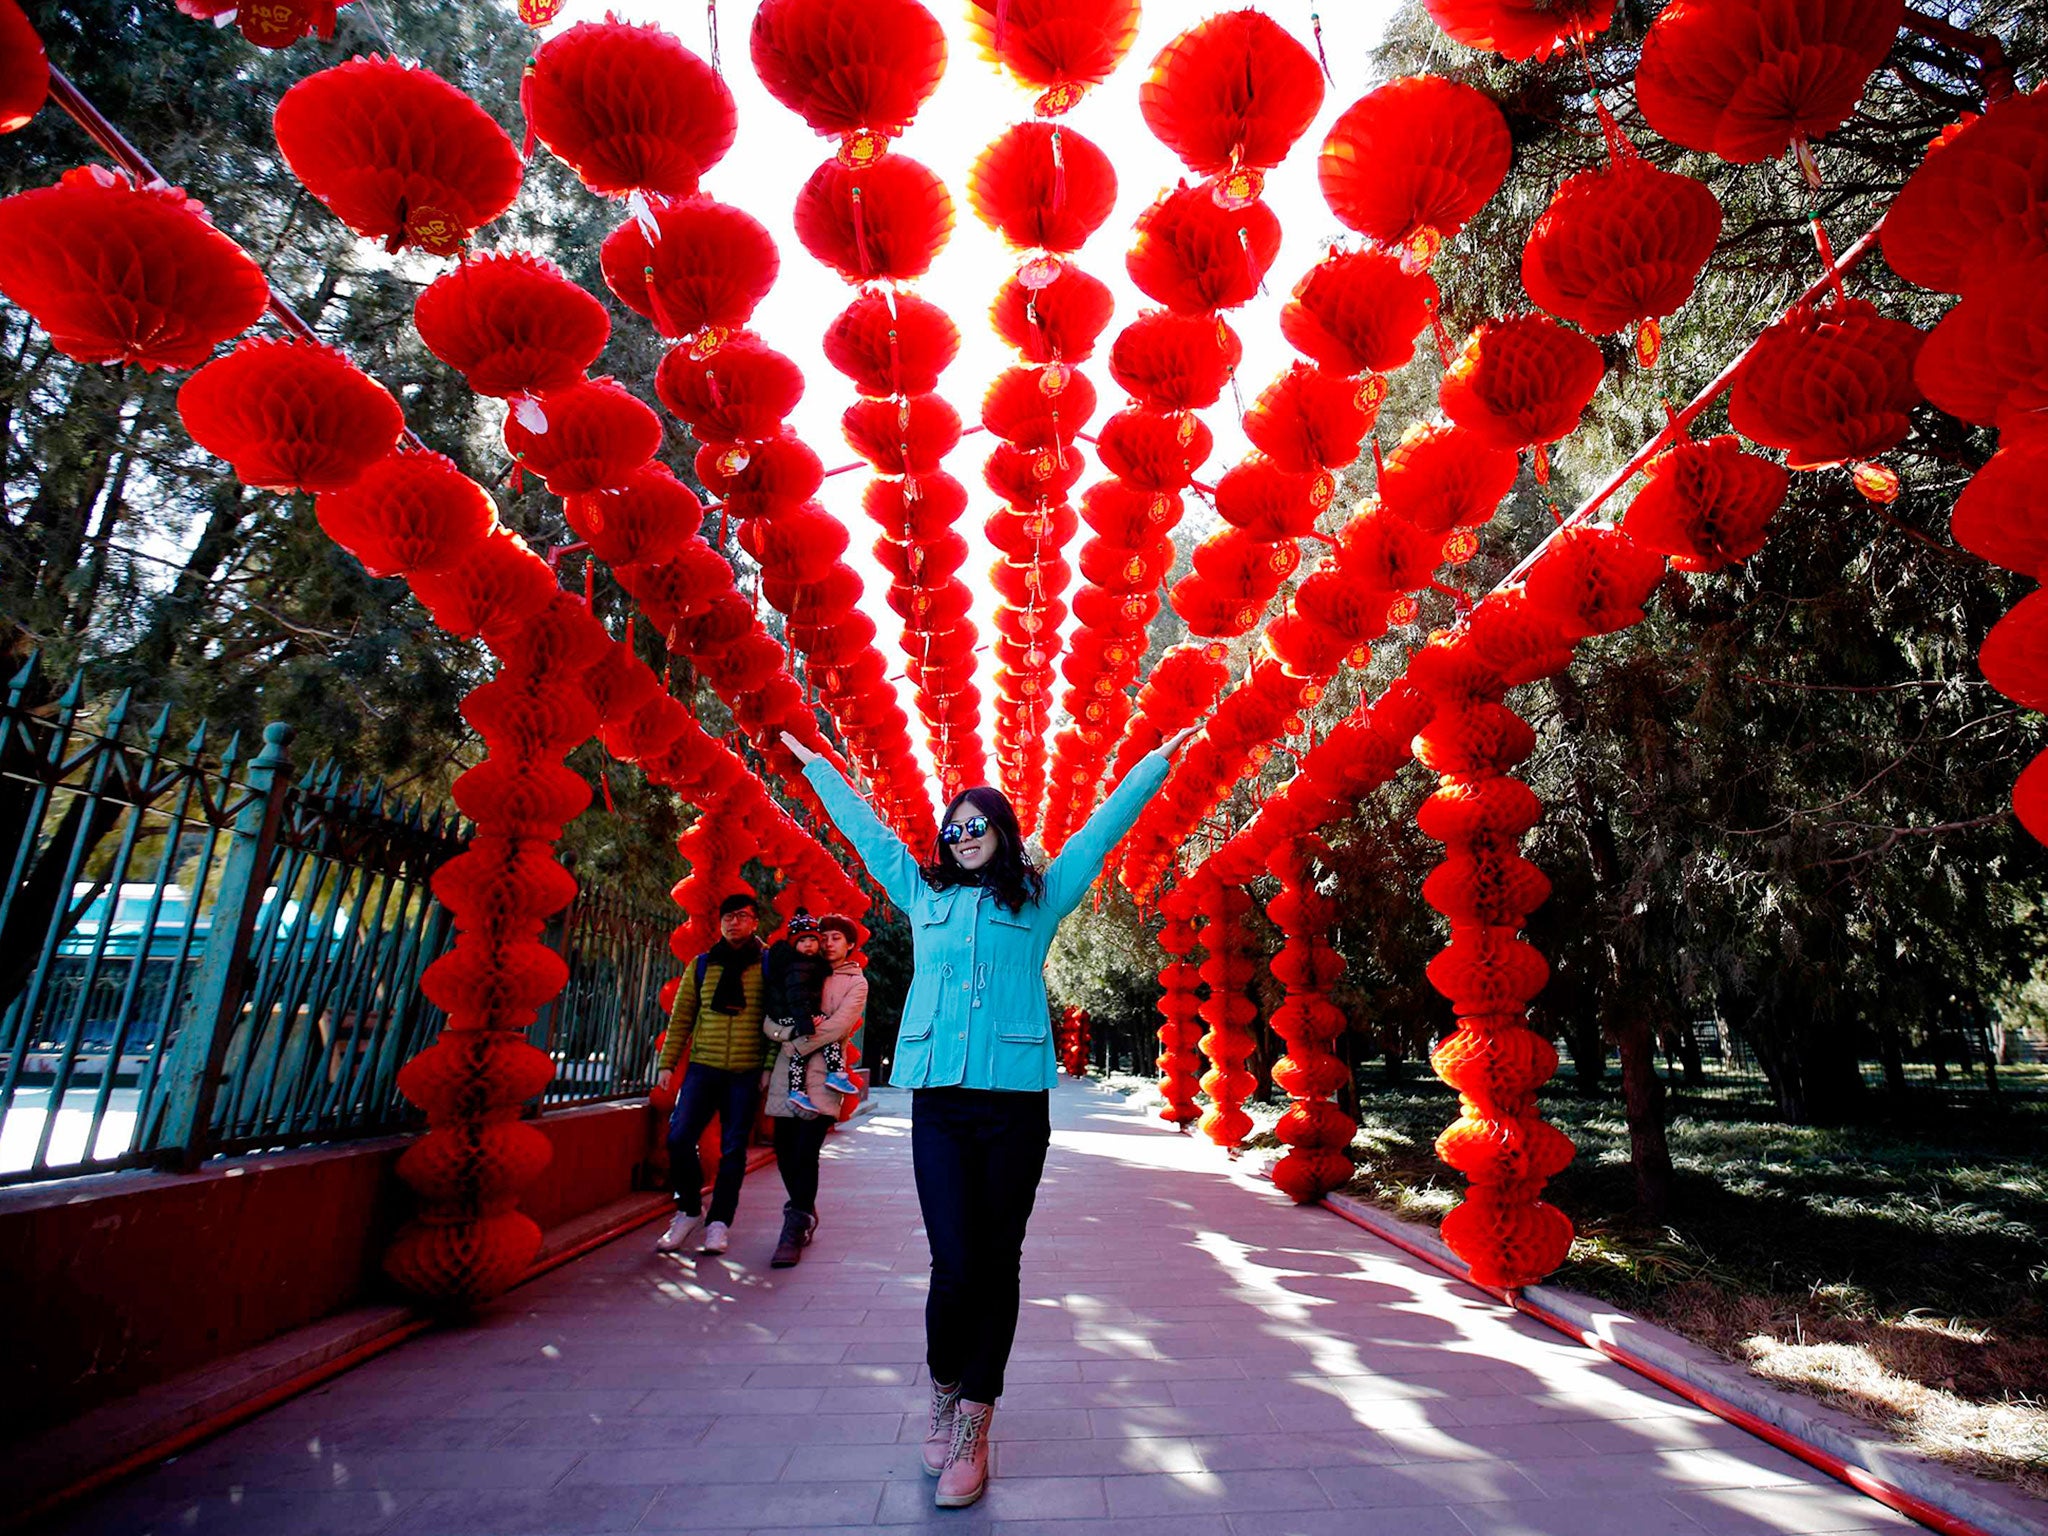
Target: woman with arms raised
[{"x": 976, "y": 1047}]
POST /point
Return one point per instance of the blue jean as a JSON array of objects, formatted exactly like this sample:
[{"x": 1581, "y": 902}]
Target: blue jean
[
  {"x": 978, "y": 1154},
  {"x": 732, "y": 1097}
]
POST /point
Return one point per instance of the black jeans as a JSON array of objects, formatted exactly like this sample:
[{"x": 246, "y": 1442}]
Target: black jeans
[
  {"x": 797, "y": 1144},
  {"x": 978, "y": 1155},
  {"x": 732, "y": 1097}
]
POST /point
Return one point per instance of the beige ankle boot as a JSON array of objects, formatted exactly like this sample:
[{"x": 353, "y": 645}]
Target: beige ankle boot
[
  {"x": 938, "y": 1435},
  {"x": 966, "y": 1473}
]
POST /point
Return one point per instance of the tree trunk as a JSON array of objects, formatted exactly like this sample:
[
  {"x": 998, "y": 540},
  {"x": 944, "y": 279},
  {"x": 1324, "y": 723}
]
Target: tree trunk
[
  {"x": 1689, "y": 1055},
  {"x": 1643, "y": 1098},
  {"x": 1891, "y": 1051}
]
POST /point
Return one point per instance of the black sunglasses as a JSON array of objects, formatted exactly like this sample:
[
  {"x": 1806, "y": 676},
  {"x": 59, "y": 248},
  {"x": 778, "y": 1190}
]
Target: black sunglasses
[{"x": 954, "y": 831}]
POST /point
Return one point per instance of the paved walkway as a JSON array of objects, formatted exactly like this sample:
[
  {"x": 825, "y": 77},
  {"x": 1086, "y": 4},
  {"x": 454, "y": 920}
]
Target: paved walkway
[{"x": 1196, "y": 1358}]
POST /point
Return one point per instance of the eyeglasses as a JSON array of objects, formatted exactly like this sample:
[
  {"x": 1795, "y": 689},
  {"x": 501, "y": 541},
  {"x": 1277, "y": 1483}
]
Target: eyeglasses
[{"x": 954, "y": 831}]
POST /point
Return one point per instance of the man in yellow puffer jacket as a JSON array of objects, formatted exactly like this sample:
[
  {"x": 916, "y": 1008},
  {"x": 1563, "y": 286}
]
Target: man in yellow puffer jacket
[{"x": 717, "y": 1015}]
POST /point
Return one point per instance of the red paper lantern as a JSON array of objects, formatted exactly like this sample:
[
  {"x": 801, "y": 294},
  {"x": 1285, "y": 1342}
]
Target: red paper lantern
[
  {"x": 1521, "y": 381},
  {"x": 1519, "y": 642},
  {"x": 743, "y": 388},
  {"x": 2001, "y": 514},
  {"x": 1060, "y": 47},
  {"x": 1593, "y": 580},
  {"x": 1154, "y": 451},
  {"x": 1416, "y": 157},
  {"x": 920, "y": 511},
  {"x": 497, "y": 584},
  {"x": 1125, "y": 515},
  {"x": 1978, "y": 205},
  {"x": 1024, "y": 408},
  {"x": 290, "y": 416},
  {"x": 1028, "y": 535},
  {"x": 276, "y": 24},
  {"x": 1987, "y": 360},
  {"x": 1342, "y": 606},
  {"x": 892, "y": 344},
  {"x": 1744, "y": 79},
  {"x": 902, "y": 438},
  {"x": 646, "y": 519},
  {"x": 1194, "y": 256},
  {"x": 1620, "y": 244},
  {"x": 1830, "y": 383},
  {"x": 1057, "y": 323},
  {"x": 708, "y": 266},
  {"x": 1359, "y": 312},
  {"x": 121, "y": 275},
  {"x": 1170, "y": 362},
  {"x": 25, "y": 68},
  {"x": 2014, "y": 656},
  {"x": 511, "y": 324},
  {"x": 1706, "y": 504},
  {"x": 886, "y": 220},
  {"x": 1232, "y": 92},
  {"x": 847, "y": 67},
  {"x": 1442, "y": 477},
  {"x": 464, "y": 1260},
  {"x": 1520, "y": 29},
  {"x": 754, "y": 480},
  {"x": 598, "y": 432},
  {"x": 1027, "y": 477},
  {"x": 2030, "y": 798},
  {"x": 629, "y": 108},
  {"x": 397, "y": 153},
  {"x": 1257, "y": 495},
  {"x": 1042, "y": 186},
  {"x": 408, "y": 512},
  {"x": 1311, "y": 418}
]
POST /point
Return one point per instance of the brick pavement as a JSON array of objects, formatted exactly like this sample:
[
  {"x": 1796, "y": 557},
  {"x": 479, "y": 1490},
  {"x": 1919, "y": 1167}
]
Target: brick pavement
[{"x": 1196, "y": 1358}]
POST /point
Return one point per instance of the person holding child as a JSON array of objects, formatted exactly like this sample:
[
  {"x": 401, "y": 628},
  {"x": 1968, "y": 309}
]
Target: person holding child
[
  {"x": 815, "y": 1008},
  {"x": 976, "y": 1050}
]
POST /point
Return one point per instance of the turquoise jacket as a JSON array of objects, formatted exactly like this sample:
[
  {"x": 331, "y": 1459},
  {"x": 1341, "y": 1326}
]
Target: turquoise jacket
[{"x": 977, "y": 1015}]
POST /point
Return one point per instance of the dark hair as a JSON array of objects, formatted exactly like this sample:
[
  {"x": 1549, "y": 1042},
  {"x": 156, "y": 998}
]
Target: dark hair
[
  {"x": 1010, "y": 874},
  {"x": 832, "y": 922},
  {"x": 738, "y": 903}
]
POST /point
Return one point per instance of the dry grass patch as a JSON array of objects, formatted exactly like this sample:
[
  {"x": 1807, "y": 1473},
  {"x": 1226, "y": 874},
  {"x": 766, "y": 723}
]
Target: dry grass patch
[{"x": 1965, "y": 1394}]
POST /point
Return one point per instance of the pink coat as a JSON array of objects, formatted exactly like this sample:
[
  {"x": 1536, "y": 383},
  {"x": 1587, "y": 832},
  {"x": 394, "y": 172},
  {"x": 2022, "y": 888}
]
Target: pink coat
[{"x": 845, "y": 1000}]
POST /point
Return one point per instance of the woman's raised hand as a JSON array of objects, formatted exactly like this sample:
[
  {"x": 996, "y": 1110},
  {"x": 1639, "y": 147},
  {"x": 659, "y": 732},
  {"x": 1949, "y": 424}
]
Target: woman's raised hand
[
  {"x": 1172, "y": 742},
  {"x": 798, "y": 750}
]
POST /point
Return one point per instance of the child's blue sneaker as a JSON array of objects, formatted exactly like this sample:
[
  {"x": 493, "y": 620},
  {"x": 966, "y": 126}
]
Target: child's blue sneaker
[
  {"x": 846, "y": 1083},
  {"x": 802, "y": 1100}
]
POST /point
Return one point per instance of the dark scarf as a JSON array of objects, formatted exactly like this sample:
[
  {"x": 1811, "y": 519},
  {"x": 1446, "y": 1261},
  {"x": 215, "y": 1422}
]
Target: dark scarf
[{"x": 729, "y": 995}]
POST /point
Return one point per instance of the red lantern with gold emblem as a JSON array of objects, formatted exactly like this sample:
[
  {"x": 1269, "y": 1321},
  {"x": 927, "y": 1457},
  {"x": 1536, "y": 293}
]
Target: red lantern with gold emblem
[{"x": 397, "y": 153}]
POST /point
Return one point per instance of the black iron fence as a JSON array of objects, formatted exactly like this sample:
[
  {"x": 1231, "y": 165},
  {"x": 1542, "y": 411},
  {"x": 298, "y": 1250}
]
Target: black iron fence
[{"x": 202, "y": 952}]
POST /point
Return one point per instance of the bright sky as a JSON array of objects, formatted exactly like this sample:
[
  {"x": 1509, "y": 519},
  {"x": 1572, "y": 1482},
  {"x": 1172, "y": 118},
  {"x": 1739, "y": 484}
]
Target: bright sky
[{"x": 775, "y": 152}]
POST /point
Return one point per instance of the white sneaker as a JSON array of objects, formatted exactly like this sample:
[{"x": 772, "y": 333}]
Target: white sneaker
[
  {"x": 680, "y": 1230},
  {"x": 716, "y": 1236}
]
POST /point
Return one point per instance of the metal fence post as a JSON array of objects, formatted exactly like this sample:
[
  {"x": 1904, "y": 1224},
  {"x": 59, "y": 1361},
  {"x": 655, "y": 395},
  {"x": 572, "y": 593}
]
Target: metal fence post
[{"x": 221, "y": 984}]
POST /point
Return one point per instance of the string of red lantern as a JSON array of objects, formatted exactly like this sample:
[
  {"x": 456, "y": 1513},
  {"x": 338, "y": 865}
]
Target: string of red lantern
[
  {"x": 1045, "y": 189},
  {"x": 1314, "y": 1130},
  {"x": 1228, "y": 1009},
  {"x": 1179, "y": 1007},
  {"x": 640, "y": 117},
  {"x": 1229, "y": 96},
  {"x": 295, "y": 415},
  {"x": 1708, "y": 499},
  {"x": 879, "y": 219},
  {"x": 1072, "y": 1041},
  {"x": 1969, "y": 222},
  {"x": 1439, "y": 151}
]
